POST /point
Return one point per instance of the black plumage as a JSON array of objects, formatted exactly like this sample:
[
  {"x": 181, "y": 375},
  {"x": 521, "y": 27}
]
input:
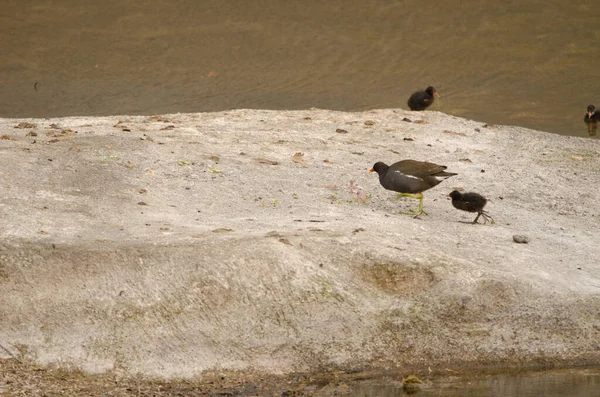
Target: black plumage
[
  {"x": 470, "y": 202},
  {"x": 411, "y": 178},
  {"x": 421, "y": 100},
  {"x": 592, "y": 116}
]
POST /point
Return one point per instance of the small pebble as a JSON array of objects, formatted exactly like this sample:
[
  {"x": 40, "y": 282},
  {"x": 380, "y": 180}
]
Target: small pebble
[{"x": 521, "y": 239}]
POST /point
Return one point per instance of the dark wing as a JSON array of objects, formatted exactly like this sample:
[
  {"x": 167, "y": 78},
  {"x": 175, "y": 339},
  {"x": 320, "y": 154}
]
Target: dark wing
[{"x": 419, "y": 169}]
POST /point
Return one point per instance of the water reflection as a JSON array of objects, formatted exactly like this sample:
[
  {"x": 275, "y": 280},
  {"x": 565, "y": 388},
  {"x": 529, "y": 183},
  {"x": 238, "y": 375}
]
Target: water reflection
[
  {"x": 592, "y": 127},
  {"x": 510, "y": 62}
]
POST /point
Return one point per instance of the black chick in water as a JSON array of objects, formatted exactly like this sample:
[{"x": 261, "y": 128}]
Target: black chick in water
[
  {"x": 471, "y": 202},
  {"x": 421, "y": 100},
  {"x": 592, "y": 116},
  {"x": 592, "y": 119}
]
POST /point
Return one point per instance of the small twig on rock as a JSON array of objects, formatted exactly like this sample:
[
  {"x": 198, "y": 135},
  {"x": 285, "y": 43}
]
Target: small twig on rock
[{"x": 10, "y": 354}]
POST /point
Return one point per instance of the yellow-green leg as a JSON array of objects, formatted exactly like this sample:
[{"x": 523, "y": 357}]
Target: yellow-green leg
[{"x": 415, "y": 196}]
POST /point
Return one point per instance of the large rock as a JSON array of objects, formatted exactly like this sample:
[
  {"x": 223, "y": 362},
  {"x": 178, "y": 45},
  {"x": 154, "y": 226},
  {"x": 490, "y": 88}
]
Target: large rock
[{"x": 257, "y": 240}]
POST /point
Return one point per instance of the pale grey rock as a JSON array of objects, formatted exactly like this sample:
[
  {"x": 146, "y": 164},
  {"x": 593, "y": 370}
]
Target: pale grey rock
[{"x": 248, "y": 258}]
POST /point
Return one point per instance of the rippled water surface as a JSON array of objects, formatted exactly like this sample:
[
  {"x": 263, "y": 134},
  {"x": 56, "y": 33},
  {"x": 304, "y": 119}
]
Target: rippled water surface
[
  {"x": 524, "y": 62},
  {"x": 557, "y": 383}
]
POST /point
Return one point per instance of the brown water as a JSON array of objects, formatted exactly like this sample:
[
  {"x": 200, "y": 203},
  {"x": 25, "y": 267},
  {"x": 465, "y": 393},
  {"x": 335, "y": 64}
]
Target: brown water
[
  {"x": 523, "y": 62},
  {"x": 556, "y": 383}
]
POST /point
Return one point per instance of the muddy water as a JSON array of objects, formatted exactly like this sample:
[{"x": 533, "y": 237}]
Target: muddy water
[
  {"x": 557, "y": 383},
  {"x": 523, "y": 62}
]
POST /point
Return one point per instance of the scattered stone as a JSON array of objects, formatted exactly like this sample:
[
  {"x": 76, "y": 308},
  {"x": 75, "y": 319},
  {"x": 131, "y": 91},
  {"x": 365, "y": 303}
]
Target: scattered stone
[
  {"x": 274, "y": 233},
  {"x": 490, "y": 126},
  {"x": 65, "y": 132},
  {"x": 407, "y": 120},
  {"x": 162, "y": 119},
  {"x": 298, "y": 158},
  {"x": 222, "y": 230},
  {"x": 454, "y": 133},
  {"x": 369, "y": 122},
  {"x": 341, "y": 131},
  {"x": 25, "y": 125},
  {"x": 520, "y": 238},
  {"x": 266, "y": 161}
]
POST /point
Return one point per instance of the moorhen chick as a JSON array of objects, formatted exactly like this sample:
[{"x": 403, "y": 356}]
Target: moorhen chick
[
  {"x": 471, "y": 202},
  {"x": 421, "y": 100},
  {"x": 591, "y": 116}
]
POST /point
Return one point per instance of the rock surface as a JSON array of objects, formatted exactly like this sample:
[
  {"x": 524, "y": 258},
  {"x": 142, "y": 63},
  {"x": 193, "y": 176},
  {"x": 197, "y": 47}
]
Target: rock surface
[{"x": 257, "y": 241}]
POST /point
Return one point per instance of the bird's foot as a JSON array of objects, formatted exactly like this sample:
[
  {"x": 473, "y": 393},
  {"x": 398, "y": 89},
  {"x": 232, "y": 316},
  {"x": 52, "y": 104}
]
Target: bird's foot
[
  {"x": 415, "y": 213},
  {"x": 486, "y": 218}
]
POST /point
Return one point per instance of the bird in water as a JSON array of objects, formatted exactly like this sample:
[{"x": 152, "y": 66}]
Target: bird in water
[
  {"x": 591, "y": 116},
  {"x": 471, "y": 202},
  {"x": 421, "y": 100},
  {"x": 411, "y": 178}
]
